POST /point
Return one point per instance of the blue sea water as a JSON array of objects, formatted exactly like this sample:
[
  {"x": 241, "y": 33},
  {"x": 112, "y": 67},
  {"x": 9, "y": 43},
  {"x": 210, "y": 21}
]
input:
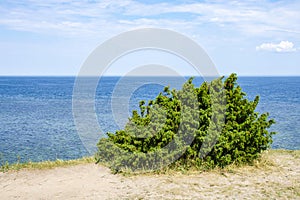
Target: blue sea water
[{"x": 36, "y": 119}]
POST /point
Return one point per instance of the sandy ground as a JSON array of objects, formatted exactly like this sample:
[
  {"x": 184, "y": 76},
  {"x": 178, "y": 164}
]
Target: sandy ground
[{"x": 89, "y": 181}]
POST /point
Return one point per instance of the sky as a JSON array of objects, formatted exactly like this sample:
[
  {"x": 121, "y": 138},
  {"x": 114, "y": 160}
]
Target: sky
[{"x": 55, "y": 37}]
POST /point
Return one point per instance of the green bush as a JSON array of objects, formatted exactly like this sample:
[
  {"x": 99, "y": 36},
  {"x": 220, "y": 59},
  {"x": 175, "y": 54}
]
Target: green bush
[{"x": 211, "y": 125}]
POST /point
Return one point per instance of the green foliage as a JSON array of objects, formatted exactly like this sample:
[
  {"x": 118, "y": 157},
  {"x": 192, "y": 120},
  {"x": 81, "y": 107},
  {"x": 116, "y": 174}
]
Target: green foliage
[{"x": 211, "y": 125}]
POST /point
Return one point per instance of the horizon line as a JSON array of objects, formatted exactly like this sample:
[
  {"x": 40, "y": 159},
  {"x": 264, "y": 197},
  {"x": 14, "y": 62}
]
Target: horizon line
[{"x": 117, "y": 75}]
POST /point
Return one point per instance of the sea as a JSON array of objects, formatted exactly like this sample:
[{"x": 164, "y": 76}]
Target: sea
[{"x": 37, "y": 119}]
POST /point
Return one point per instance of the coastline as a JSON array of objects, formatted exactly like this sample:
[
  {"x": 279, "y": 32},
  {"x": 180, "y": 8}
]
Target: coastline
[{"x": 276, "y": 175}]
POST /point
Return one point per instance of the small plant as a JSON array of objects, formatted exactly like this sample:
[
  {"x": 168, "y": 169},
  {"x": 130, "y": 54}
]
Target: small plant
[
  {"x": 4, "y": 167},
  {"x": 202, "y": 127}
]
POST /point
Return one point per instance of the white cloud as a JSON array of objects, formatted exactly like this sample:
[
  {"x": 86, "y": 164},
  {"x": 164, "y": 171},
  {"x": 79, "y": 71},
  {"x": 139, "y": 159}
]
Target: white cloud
[
  {"x": 283, "y": 46},
  {"x": 84, "y": 18}
]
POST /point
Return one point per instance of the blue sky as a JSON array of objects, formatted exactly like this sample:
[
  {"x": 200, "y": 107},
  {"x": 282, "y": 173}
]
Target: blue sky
[{"x": 54, "y": 37}]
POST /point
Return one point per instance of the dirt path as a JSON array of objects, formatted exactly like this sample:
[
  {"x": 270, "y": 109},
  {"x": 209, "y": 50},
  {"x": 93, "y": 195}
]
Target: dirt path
[{"x": 90, "y": 181}]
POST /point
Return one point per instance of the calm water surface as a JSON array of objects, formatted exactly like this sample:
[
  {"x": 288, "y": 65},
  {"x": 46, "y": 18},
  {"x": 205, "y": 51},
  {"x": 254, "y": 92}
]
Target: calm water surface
[{"x": 36, "y": 120}]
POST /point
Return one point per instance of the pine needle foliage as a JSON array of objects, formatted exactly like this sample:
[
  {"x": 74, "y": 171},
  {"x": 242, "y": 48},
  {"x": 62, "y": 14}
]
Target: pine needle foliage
[{"x": 210, "y": 125}]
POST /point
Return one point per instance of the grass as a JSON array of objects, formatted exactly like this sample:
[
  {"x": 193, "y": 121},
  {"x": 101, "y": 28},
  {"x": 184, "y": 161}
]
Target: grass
[
  {"x": 5, "y": 167},
  {"x": 273, "y": 176},
  {"x": 264, "y": 162}
]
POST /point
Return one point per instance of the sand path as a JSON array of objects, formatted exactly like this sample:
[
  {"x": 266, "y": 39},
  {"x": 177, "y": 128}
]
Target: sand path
[{"x": 90, "y": 181}]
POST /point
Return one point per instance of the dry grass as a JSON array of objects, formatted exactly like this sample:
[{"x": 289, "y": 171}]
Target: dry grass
[
  {"x": 265, "y": 162},
  {"x": 276, "y": 175},
  {"x": 45, "y": 164}
]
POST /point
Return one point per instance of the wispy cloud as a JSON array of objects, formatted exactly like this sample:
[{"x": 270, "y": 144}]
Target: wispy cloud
[
  {"x": 226, "y": 29},
  {"x": 283, "y": 46},
  {"x": 83, "y": 18}
]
